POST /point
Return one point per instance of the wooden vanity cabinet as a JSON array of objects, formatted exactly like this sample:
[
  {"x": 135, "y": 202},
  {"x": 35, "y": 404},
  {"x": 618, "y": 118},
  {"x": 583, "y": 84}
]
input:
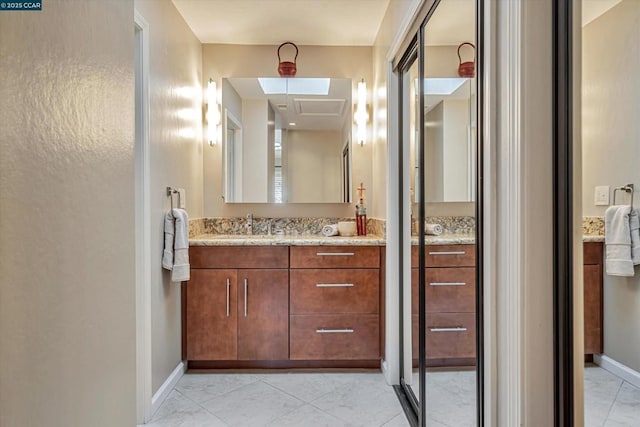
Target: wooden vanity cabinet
[
  {"x": 236, "y": 304},
  {"x": 335, "y": 303},
  {"x": 593, "y": 270},
  {"x": 450, "y": 305}
]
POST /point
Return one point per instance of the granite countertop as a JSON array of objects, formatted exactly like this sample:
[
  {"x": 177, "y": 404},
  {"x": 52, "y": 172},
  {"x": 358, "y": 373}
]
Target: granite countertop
[
  {"x": 289, "y": 240},
  {"x": 318, "y": 240},
  {"x": 446, "y": 239}
]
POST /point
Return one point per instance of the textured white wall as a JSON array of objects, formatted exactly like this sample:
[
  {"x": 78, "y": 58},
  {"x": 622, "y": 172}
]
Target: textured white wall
[
  {"x": 611, "y": 152},
  {"x": 67, "y": 291},
  {"x": 261, "y": 61},
  {"x": 175, "y": 90}
]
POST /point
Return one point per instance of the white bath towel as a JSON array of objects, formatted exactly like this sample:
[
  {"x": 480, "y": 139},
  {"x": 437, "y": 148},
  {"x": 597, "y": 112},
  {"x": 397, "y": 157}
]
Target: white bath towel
[
  {"x": 617, "y": 239},
  {"x": 169, "y": 232},
  {"x": 634, "y": 226},
  {"x": 330, "y": 230},
  {"x": 433, "y": 229},
  {"x": 181, "y": 268}
]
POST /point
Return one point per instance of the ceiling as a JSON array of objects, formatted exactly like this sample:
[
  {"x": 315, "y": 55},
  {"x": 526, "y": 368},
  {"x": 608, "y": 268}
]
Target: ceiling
[
  {"x": 591, "y": 9},
  {"x": 452, "y": 23},
  {"x": 308, "y": 112},
  {"x": 271, "y": 22}
]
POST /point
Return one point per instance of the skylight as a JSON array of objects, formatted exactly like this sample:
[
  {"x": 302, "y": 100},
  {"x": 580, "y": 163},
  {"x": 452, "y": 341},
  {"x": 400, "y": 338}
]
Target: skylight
[
  {"x": 441, "y": 86},
  {"x": 294, "y": 86}
]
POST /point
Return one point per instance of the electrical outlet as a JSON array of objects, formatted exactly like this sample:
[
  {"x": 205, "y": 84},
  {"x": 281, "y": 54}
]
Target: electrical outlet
[{"x": 602, "y": 195}]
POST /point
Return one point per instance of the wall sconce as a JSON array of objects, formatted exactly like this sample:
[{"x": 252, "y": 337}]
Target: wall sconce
[
  {"x": 213, "y": 112},
  {"x": 361, "y": 116}
]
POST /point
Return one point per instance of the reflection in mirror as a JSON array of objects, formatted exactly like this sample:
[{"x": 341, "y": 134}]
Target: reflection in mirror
[
  {"x": 286, "y": 140},
  {"x": 449, "y": 105}
]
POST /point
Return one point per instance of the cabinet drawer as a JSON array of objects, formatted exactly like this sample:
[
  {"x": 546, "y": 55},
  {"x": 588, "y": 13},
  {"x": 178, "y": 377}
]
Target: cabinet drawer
[
  {"x": 239, "y": 256},
  {"x": 446, "y": 256},
  {"x": 592, "y": 253},
  {"x": 451, "y": 335},
  {"x": 334, "y": 337},
  {"x": 335, "y": 257},
  {"x": 317, "y": 291},
  {"x": 449, "y": 290}
]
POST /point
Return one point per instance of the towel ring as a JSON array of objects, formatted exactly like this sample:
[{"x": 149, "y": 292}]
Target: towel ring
[
  {"x": 627, "y": 189},
  {"x": 170, "y": 193}
]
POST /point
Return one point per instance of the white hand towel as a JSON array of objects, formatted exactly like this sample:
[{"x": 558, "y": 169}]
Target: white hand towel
[
  {"x": 181, "y": 268},
  {"x": 169, "y": 231},
  {"x": 330, "y": 230},
  {"x": 433, "y": 229},
  {"x": 617, "y": 239},
  {"x": 634, "y": 226}
]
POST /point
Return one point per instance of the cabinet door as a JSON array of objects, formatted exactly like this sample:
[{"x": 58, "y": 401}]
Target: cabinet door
[
  {"x": 263, "y": 314},
  {"x": 212, "y": 318},
  {"x": 593, "y": 309}
]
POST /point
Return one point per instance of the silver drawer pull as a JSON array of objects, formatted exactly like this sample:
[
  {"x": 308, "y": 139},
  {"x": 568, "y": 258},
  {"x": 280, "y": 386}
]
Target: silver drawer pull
[
  {"x": 458, "y": 329},
  {"x": 448, "y": 253},
  {"x": 245, "y": 296},
  {"x": 334, "y": 285},
  {"x": 447, "y": 284},
  {"x": 228, "y": 286},
  {"x": 335, "y": 254},
  {"x": 334, "y": 331}
]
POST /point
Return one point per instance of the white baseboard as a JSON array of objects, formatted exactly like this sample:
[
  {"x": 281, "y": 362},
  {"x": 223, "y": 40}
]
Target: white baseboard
[
  {"x": 616, "y": 368},
  {"x": 166, "y": 387}
]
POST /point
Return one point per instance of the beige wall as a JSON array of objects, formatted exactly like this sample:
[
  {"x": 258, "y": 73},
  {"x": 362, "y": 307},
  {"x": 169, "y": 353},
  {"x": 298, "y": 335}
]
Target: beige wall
[
  {"x": 611, "y": 152},
  {"x": 176, "y": 87},
  {"x": 67, "y": 291},
  {"x": 314, "y": 161},
  {"x": 390, "y": 25},
  {"x": 255, "y": 186},
  {"x": 456, "y": 149},
  {"x": 261, "y": 61}
]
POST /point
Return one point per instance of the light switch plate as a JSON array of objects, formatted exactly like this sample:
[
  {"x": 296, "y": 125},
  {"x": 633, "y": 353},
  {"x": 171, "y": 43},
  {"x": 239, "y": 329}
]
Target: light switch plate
[{"x": 602, "y": 195}]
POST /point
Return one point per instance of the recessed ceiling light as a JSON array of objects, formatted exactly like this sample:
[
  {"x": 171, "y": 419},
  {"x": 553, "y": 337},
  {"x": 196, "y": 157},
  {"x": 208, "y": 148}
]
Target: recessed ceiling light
[{"x": 292, "y": 124}]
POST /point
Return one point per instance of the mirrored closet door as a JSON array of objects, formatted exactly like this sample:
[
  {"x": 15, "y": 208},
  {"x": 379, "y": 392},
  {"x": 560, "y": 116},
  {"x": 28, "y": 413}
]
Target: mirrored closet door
[{"x": 441, "y": 292}]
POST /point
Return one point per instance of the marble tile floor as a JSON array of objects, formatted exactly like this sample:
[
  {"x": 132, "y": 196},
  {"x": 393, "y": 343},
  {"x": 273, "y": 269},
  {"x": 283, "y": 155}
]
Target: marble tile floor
[
  {"x": 292, "y": 399},
  {"x": 288, "y": 399},
  {"x": 608, "y": 400}
]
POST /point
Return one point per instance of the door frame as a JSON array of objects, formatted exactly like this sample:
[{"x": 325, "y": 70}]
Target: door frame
[
  {"x": 143, "y": 226},
  {"x": 563, "y": 214}
]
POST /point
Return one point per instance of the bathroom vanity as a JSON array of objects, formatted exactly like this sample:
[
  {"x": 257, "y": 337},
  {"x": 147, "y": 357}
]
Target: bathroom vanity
[
  {"x": 450, "y": 304},
  {"x": 284, "y": 306},
  {"x": 593, "y": 326}
]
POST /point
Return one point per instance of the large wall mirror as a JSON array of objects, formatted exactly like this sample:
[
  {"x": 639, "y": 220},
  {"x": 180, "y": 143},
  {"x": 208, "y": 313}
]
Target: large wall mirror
[{"x": 286, "y": 140}]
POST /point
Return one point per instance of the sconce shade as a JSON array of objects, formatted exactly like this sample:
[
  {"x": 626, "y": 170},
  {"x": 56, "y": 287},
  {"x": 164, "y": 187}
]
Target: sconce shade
[
  {"x": 213, "y": 112},
  {"x": 468, "y": 68},
  {"x": 361, "y": 117},
  {"x": 287, "y": 68}
]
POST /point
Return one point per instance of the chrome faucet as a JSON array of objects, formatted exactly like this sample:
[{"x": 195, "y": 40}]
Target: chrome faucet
[
  {"x": 249, "y": 224},
  {"x": 269, "y": 228}
]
